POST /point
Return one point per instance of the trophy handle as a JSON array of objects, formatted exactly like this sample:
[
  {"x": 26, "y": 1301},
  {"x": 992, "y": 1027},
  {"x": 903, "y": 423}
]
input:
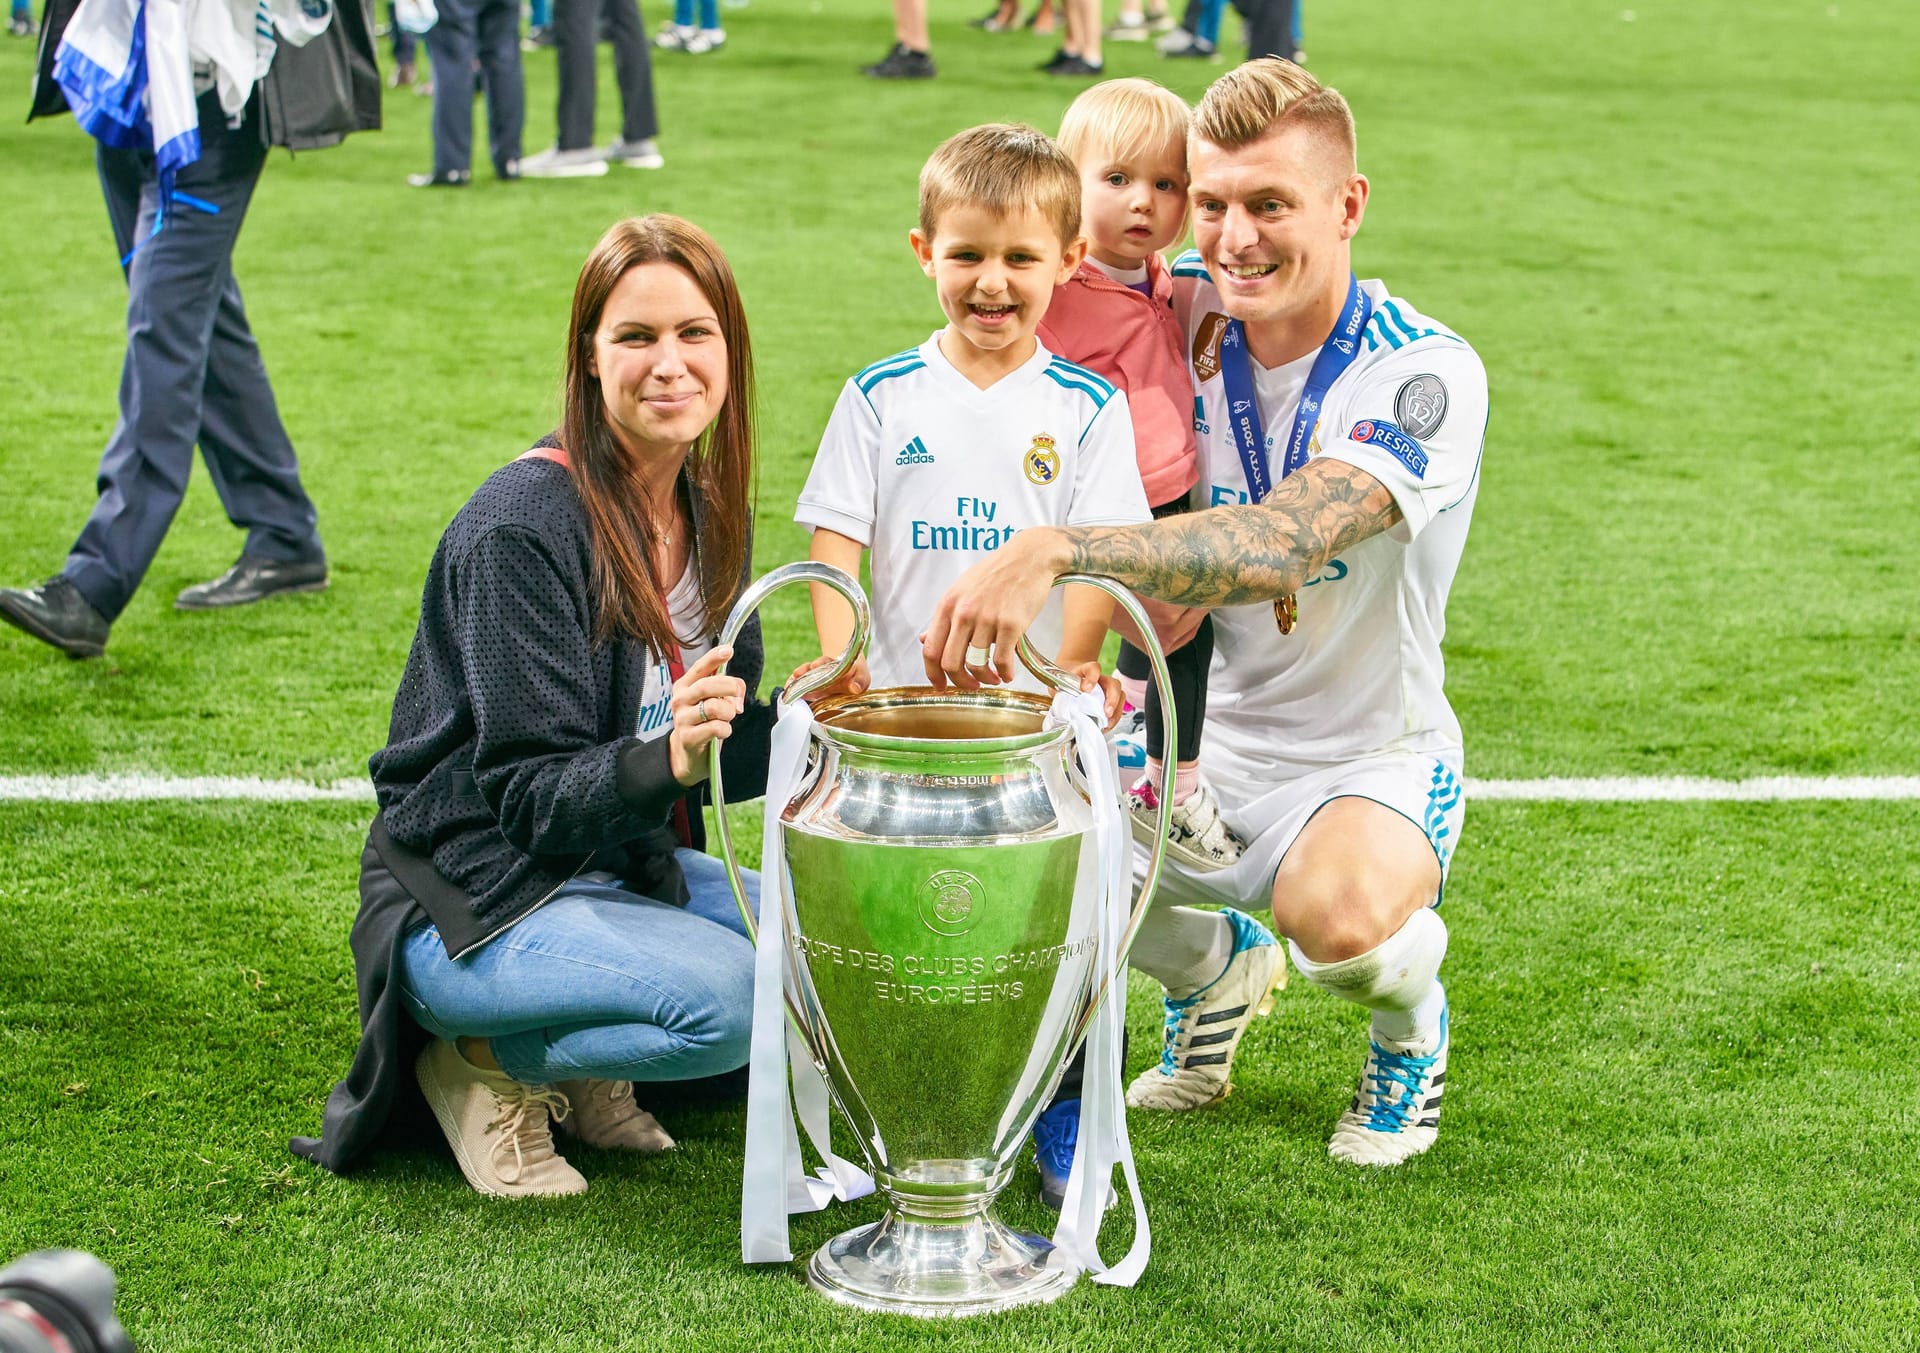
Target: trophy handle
[
  {"x": 807, "y": 571},
  {"x": 1056, "y": 676}
]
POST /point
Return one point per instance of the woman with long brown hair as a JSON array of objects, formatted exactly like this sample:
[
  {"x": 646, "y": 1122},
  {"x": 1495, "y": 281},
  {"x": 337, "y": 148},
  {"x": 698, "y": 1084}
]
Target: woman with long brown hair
[{"x": 539, "y": 926}]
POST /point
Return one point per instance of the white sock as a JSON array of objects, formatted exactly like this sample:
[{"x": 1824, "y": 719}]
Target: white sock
[
  {"x": 1182, "y": 948},
  {"x": 1395, "y": 979},
  {"x": 1417, "y": 1030}
]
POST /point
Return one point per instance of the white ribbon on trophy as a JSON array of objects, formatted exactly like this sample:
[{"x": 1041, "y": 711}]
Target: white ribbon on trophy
[
  {"x": 776, "y": 1181},
  {"x": 1103, "y": 1142}
]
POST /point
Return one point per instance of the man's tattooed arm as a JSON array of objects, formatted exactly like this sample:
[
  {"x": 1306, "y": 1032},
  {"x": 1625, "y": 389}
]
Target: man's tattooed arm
[
  {"x": 1225, "y": 556},
  {"x": 1234, "y": 556}
]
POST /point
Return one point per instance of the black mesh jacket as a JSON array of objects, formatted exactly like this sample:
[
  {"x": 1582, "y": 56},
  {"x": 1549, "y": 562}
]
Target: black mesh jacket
[{"x": 510, "y": 762}]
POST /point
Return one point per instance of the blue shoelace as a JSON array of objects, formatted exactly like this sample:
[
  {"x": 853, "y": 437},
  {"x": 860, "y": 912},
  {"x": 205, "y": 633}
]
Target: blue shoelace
[
  {"x": 1176, "y": 1011},
  {"x": 1387, "y": 1114}
]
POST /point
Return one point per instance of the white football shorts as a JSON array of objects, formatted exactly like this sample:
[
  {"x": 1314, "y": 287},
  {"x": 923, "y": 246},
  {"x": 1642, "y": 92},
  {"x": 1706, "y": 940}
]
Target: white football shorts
[{"x": 1426, "y": 790}]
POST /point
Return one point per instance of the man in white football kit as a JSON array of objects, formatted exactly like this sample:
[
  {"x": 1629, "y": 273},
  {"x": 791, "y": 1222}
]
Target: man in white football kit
[
  {"x": 1341, "y": 434},
  {"x": 931, "y": 472}
]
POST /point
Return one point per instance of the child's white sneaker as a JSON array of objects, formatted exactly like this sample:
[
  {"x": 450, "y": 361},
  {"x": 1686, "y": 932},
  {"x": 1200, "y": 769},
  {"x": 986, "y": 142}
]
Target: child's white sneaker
[{"x": 1196, "y": 834}]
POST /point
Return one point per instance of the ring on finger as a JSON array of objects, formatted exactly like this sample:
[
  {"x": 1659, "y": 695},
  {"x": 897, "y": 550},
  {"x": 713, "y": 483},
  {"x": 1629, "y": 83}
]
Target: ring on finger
[
  {"x": 978, "y": 655},
  {"x": 701, "y": 710}
]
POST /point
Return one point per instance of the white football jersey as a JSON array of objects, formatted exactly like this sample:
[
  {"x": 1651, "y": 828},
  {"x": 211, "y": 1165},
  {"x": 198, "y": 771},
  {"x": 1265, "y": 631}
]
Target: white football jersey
[
  {"x": 1361, "y": 674},
  {"x": 931, "y": 473}
]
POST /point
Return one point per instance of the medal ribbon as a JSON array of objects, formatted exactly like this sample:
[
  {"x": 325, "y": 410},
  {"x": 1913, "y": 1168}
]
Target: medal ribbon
[{"x": 1243, "y": 408}]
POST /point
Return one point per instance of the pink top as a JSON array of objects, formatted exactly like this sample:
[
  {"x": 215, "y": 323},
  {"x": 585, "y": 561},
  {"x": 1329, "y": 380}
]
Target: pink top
[{"x": 1135, "y": 342}]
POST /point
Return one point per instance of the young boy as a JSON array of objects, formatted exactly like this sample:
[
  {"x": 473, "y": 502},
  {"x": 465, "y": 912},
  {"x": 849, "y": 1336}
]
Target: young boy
[
  {"x": 941, "y": 453},
  {"x": 1128, "y": 139}
]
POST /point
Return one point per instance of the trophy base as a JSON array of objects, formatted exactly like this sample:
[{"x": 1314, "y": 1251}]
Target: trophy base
[{"x": 950, "y": 1267}]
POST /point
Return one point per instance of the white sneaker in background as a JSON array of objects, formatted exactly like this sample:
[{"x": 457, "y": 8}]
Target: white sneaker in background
[
  {"x": 554, "y": 163},
  {"x": 636, "y": 154}
]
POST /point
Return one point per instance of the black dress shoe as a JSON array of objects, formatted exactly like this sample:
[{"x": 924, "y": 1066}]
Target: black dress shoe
[
  {"x": 1076, "y": 65},
  {"x": 55, "y": 613},
  {"x": 902, "y": 63},
  {"x": 254, "y": 579}
]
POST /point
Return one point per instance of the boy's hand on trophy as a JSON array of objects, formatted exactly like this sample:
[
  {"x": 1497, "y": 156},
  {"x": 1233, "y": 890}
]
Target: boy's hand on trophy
[
  {"x": 704, "y": 706},
  {"x": 854, "y": 681}
]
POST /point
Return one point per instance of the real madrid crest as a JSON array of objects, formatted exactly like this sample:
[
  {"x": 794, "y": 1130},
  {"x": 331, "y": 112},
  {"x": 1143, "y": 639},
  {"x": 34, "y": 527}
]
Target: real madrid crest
[{"x": 1043, "y": 461}]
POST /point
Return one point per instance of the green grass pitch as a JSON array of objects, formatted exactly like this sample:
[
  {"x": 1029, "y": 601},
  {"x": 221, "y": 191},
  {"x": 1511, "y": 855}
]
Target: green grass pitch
[{"x": 1682, "y": 1109}]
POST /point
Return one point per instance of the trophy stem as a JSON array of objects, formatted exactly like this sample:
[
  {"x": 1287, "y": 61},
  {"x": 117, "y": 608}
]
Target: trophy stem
[{"x": 916, "y": 1265}]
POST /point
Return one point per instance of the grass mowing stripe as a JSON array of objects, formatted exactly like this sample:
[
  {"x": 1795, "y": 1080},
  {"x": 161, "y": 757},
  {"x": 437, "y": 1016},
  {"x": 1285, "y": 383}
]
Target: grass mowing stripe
[{"x": 128, "y": 788}]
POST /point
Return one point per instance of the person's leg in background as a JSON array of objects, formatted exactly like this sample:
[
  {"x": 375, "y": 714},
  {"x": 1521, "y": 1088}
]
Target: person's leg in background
[
  {"x": 1269, "y": 27},
  {"x": 187, "y": 339},
  {"x": 633, "y": 68},
  {"x": 911, "y": 57},
  {"x": 453, "y": 42},
  {"x": 539, "y": 25},
  {"x": 575, "y": 25},
  {"x": 499, "y": 51}
]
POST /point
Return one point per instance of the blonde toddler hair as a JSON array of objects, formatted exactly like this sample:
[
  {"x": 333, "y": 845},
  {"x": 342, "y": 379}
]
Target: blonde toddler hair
[{"x": 1126, "y": 119}]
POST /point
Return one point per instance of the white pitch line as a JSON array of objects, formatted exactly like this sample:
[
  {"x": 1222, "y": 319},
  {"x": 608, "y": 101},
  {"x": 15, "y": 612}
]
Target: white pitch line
[
  {"x": 1686, "y": 788},
  {"x": 134, "y": 788},
  {"x": 1620, "y": 789}
]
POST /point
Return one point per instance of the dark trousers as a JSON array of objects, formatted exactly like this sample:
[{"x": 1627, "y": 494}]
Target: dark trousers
[
  {"x": 403, "y": 41},
  {"x": 487, "y": 30},
  {"x": 1269, "y": 27},
  {"x": 574, "y": 23},
  {"x": 192, "y": 373}
]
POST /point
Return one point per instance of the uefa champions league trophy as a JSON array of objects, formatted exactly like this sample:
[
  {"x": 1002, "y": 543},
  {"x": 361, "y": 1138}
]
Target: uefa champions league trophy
[{"x": 943, "y": 953}]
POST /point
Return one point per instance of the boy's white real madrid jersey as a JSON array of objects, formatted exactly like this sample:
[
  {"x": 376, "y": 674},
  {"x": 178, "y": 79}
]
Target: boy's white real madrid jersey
[
  {"x": 932, "y": 473},
  {"x": 1361, "y": 673}
]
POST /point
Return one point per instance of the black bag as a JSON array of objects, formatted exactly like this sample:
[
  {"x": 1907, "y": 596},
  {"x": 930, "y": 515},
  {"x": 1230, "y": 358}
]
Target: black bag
[
  {"x": 314, "y": 95},
  {"x": 48, "y": 101}
]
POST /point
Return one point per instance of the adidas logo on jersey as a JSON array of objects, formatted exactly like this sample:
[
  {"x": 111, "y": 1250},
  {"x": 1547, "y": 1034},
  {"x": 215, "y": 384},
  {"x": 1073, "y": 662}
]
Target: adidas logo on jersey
[{"x": 914, "y": 453}]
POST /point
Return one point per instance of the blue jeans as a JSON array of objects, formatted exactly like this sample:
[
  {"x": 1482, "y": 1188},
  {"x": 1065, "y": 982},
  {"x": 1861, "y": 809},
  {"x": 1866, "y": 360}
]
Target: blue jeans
[{"x": 601, "y": 983}]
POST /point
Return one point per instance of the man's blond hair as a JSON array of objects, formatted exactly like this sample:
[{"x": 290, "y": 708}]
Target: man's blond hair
[
  {"x": 1125, "y": 121},
  {"x": 1003, "y": 167},
  {"x": 1262, "y": 96}
]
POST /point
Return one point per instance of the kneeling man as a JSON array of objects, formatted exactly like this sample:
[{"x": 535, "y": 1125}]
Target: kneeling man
[{"x": 1340, "y": 433}]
